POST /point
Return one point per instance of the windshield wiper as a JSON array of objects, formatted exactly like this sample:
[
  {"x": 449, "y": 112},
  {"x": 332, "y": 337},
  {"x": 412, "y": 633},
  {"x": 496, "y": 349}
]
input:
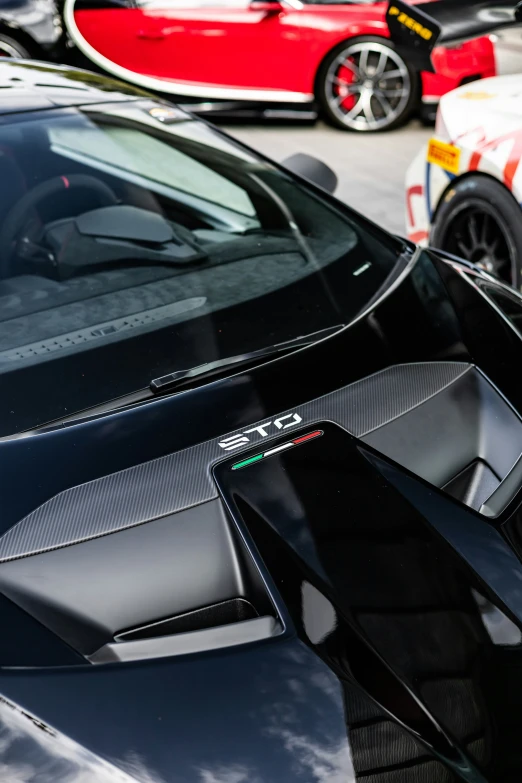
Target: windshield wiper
[
  {"x": 178, "y": 378},
  {"x": 168, "y": 383}
]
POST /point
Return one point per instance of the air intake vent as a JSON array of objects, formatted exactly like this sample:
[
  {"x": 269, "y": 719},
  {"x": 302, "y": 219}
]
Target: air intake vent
[
  {"x": 236, "y": 610},
  {"x": 179, "y": 584}
]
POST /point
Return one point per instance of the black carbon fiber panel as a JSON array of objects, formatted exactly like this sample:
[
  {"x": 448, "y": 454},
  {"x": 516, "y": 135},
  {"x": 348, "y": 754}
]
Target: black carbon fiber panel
[
  {"x": 183, "y": 479},
  {"x": 368, "y": 404}
]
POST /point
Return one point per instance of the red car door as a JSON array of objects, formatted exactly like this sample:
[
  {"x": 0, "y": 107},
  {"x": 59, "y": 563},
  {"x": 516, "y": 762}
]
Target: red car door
[{"x": 228, "y": 45}]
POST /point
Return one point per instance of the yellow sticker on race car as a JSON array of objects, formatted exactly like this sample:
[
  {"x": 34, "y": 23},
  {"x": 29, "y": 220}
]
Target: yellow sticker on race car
[
  {"x": 412, "y": 24},
  {"x": 447, "y": 156},
  {"x": 476, "y": 96}
]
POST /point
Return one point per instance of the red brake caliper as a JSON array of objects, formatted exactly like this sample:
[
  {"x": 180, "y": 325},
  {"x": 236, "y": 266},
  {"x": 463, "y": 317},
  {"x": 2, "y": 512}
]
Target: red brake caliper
[{"x": 347, "y": 76}]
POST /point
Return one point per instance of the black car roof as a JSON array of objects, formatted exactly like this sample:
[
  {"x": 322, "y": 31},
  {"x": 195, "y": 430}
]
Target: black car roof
[{"x": 27, "y": 85}]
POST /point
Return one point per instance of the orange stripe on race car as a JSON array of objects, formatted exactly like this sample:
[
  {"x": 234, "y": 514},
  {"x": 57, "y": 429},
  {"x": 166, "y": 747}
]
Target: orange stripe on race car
[
  {"x": 475, "y": 161},
  {"x": 511, "y": 167},
  {"x": 415, "y": 190},
  {"x": 513, "y": 162},
  {"x": 418, "y": 236}
]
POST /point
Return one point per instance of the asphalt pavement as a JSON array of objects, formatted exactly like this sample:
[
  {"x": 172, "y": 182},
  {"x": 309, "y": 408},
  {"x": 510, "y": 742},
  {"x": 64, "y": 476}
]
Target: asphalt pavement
[{"x": 370, "y": 167}]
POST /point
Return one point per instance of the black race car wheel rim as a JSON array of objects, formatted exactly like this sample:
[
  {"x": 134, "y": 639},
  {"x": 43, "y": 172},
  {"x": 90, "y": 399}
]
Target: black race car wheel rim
[{"x": 479, "y": 234}]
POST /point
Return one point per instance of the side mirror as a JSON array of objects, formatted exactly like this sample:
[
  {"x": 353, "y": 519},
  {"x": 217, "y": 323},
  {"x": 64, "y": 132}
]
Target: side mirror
[{"x": 312, "y": 169}]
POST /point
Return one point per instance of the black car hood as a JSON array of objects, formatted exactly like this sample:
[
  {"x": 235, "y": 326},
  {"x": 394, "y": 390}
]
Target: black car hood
[{"x": 289, "y": 573}]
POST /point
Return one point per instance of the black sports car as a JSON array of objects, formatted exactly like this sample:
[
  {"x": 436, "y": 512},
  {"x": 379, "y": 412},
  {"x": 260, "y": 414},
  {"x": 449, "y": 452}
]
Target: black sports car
[{"x": 260, "y": 467}]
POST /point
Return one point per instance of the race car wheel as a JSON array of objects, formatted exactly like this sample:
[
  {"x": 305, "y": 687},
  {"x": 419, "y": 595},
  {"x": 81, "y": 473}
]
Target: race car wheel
[
  {"x": 11, "y": 48},
  {"x": 479, "y": 220},
  {"x": 364, "y": 85}
]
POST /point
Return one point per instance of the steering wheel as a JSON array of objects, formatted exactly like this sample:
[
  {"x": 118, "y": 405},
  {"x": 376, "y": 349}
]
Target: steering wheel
[{"x": 18, "y": 217}]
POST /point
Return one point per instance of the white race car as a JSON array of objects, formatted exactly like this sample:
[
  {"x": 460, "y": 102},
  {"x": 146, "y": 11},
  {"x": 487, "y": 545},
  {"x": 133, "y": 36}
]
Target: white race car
[{"x": 464, "y": 189}]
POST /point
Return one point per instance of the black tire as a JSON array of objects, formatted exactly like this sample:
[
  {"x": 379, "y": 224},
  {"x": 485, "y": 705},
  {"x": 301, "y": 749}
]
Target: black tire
[
  {"x": 9, "y": 47},
  {"x": 479, "y": 220},
  {"x": 402, "y": 106}
]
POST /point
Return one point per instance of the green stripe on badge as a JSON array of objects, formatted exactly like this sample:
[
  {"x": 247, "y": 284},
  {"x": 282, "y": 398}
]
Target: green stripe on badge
[{"x": 247, "y": 462}]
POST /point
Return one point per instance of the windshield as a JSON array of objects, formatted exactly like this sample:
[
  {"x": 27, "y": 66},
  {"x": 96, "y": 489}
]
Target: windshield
[{"x": 136, "y": 241}]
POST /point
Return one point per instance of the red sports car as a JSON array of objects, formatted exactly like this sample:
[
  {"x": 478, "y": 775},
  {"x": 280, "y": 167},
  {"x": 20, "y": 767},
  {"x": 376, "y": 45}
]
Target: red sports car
[{"x": 289, "y": 52}]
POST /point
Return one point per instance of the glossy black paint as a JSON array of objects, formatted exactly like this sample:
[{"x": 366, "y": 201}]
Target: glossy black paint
[
  {"x": 432, "y": 331},
  {"x": 400, "y": 658},
  {"x": 22, "y": 82},
  {"x": 266, "y": 713},
  {"x": 364, "y": 545},
  {"x": 111, "y": 443},
  {"x": 415, "y": 539}
]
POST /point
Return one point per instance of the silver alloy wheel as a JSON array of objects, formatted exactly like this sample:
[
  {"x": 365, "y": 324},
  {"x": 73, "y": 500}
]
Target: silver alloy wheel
[
  {"x": 7, "y": 50},
  {"x": 381, "y": 86}
]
